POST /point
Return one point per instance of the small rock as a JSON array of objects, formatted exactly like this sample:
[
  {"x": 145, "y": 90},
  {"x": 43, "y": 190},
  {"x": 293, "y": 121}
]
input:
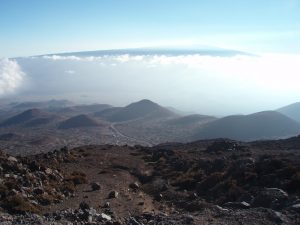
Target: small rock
[
  {"x": 12, "y": 159},
  {"x": 133, "y": 221},
  {"x": 296, "y": 207},
  {"x": 38, "y": 191},
  {"x": 274, "y": 198},
  {"x": 13, "y": 192},
  {"x": 113, "y": 194},
  {"x": 34, "y": 202},
  {"x": 95, "y": 186},
  {"x": 221, "y": 209},
  {"x": 159, "y": 197},
  {"x": 34, "y": 166},
  {"x": 92, "y": 212},
  {"x": 237, "y": 205},
  {"x": 278, "y": 217},
  {"x": 48, "y": 171},
  {"x": 105, "y": 216},
  {"x": 278, "y": 191},
  {"x": 107, "y": 205},
  {"x": 84, "y": 206},
  {"x": 134, "y": 185}
]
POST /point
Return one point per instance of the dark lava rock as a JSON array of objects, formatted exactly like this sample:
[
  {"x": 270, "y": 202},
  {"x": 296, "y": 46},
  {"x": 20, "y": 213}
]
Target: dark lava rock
[
  {"x": 296, "y": 207},
  {"x": 95, "y": 186},
  {"x": 134, "y": 185},
  {"x": 113, "y": 194},
  {"x": 84, "y": 206},
  {"x": 237, "y": 205},
  {"x": 38, "y": 191},
  {"x": 274, "y": 198},
  {"x": 223, "y": 145}
]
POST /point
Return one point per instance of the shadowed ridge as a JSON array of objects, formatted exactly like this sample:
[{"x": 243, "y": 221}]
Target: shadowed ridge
[
  {"x": 292, "y": 111},
  {"x": 261, "y": 125},
  {"x": 78, "y": 121},
  {"x": 24, "y": 117}
]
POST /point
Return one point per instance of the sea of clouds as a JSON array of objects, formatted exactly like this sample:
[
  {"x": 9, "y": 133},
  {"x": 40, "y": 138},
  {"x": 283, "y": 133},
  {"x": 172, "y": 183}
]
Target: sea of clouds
[{"x": 199, "y": 83}]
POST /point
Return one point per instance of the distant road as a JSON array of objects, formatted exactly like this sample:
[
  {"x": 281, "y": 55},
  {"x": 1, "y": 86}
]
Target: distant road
[{"x": 117, "y": 133}]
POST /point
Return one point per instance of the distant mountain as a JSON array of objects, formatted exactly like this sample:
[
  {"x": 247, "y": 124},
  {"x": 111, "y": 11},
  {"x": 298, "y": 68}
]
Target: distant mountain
[
  {"x": 24, "y": 117},
  {"x": 107, "y": 113},
  {"x": 81, "y": 109},
  {"x": 40, "y": 121},
  {"x": 292, "y": 111},
  {"x": 91, "y": 108},
  {"x": 78, "y": 121},
  {"x": 157, "y": 51},
  {"x": 142, "y": 109},
  {"x": 178, "y": 112},
  {"x": 261, "y": 125},
  {"x": 190, "y": 120},
  {"x": 43, "y": 104}
]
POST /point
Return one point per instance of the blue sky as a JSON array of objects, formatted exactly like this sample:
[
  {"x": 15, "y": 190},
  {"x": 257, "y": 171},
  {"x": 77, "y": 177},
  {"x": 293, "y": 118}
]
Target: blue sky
[{"x": 34, "y": 27}]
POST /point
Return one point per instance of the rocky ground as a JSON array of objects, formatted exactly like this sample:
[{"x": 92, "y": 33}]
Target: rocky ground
[{"x": 206, "y": 182}]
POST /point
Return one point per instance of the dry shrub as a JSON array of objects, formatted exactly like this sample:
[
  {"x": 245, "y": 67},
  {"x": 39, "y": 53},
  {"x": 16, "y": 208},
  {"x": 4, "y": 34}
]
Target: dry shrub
[
  {"x": 187, "y": 180},
  {"x": 77, "y": 177},
  {"x": 17, "y": 204},
  {"x": 67, "y": 188},
  {"x": 210, "y": 181},
  {"x": 294, "y": 183}
]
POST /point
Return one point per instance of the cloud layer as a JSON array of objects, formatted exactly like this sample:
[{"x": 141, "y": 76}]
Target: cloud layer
[
  {"x": 270, "y": 71},
  {"x": 200, "y": 83},
  {"x": 11, "y": 76}
]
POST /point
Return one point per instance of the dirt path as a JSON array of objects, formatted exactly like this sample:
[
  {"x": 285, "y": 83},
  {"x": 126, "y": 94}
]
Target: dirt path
[
  {"x": 116, "y": 133},
  {"x": 112, "y": 172}
]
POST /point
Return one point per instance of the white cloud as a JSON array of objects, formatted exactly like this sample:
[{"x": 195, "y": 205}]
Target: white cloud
[
  {"x": 127, "y": 58},
  {"x": 58, "y": 57},
  {"x": 70, "y": 72},
  {"x": 11, "y": 76},
  {"x": 72, "y": 58},
  {"x": 117, "y": 58},
  {"x": 269, "y": 71},
  {"x": 237, "y": 84}
]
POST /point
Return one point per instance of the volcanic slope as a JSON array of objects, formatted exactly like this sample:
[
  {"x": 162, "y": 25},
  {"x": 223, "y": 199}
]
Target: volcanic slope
[
  {"x": 143, "y": 109},
  {"x": 261, "y": 125},
  {"x": 78, "y": 121},
  {"x": 292, "y": 111},
  {"x": 205, "y": 182}
]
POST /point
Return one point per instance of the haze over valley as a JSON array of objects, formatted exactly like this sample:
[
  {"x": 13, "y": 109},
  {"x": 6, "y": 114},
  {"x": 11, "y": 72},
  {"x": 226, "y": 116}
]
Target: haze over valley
[{"x": 48, "y": 125}]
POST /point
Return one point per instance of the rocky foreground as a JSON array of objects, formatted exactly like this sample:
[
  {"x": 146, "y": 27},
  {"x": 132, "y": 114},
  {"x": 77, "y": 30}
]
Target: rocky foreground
[{"x": 205, "y": 182}]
